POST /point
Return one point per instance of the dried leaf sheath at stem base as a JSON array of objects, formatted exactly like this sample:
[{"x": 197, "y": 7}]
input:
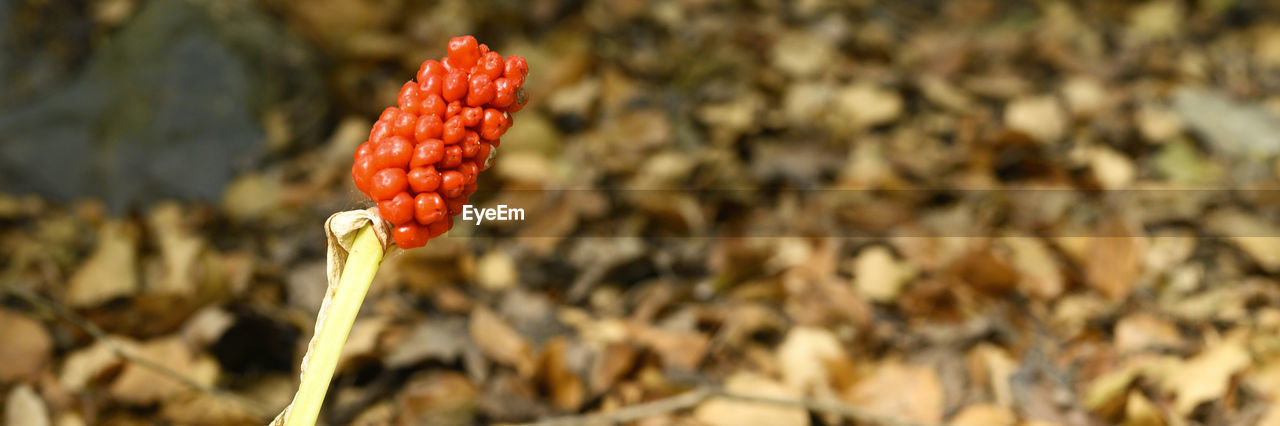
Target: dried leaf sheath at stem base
[{"x": 356, "y": 260}]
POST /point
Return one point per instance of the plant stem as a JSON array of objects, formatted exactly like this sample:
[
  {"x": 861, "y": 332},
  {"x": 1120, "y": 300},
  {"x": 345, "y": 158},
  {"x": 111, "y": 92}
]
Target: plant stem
[{"x": 362, "y": 263}]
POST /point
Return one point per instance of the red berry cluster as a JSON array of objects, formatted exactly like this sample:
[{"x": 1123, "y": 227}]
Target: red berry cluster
[{"x": 422, "y": 157}]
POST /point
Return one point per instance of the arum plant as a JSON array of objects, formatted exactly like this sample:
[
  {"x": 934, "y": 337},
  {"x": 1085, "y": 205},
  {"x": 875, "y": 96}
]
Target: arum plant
[{"x": 419, "y": 166}]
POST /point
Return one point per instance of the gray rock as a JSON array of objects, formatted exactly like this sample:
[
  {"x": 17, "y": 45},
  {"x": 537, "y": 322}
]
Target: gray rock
[{"x": 170, "y": 107}]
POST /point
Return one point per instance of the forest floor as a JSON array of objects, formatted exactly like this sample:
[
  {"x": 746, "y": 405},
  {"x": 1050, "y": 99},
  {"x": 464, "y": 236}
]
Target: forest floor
[{"x": 769, "y": 212}]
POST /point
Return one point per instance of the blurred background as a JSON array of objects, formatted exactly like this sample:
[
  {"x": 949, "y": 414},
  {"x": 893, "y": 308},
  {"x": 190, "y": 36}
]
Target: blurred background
[{"x": 918, "y": 212}]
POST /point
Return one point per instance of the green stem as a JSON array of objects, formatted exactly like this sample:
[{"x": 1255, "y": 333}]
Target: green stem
[{"x": 362, "y": 263}]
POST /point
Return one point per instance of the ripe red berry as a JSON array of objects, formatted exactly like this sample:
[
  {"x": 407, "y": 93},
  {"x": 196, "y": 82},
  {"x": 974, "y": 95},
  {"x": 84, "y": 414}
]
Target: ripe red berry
[
  {"x": 469, "y": 171},
  {"x": 452, "y": 109},
  {"x": 439, "y": 227},
  {"x": 398, "y": 209},
  {"x": 428, "y": 127},
  {"x": 515, "y": 69},
  {"x": 452, "y": 157},
  {"x": 522, "y": 98},
  {"x": 504, "y": 93},
  {"x": 481, "y": 90},
  {"x": 410, "y": 98},
  {"x": 432, "y": 85},
  {"x": 403, "y": 124},
  {"x": 427, "y": 153},
  {"x": 470, "y": 144},
  {"x": 386, "y": 183},
  {"x": 388, "y": 114},
  {"x": 380, "y": 131},
  {"x": 490, "y": 65},
  {"x": 482, "y": 157},
  {"x": 433, "y": 104},
  {"x": 411, "y": 235},
  {"x": 455, "y": 85},
  {"x": 463, "y": 51},
  {"x": 428, "y": 207},
  {"x": 451, "y": 183},
  {"x": 393, "y": 152},
  {"x": 471, "y": 116},
  {"x": 454, "y": 129},
  {"x": 424, "y": 179},
  {"x": 364, "y": 149},
  {"x": 492, "y": 126},
  {"x": 362, "y": 171},
  {"x": 429, "y": 68}
]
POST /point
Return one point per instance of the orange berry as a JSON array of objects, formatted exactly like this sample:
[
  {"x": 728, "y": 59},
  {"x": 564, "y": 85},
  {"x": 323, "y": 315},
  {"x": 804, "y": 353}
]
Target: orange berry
[
  {"x": 428, "y": 127},
  {"x": 451, "y": 183},
  {"x": 463, "y": 51},
  {"x": 398, "y": 210},
  {"x": 455, "y": 85},
  {"x": 428, "y": 207},
  {"x": 452, "y": 157},
  {"x": 386, "y": 183},
  {"x": 424, "y": 179},
  {"x": 427, "y": 153}
]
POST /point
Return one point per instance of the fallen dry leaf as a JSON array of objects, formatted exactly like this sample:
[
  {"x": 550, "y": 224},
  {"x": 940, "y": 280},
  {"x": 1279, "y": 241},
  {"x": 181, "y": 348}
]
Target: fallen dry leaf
[
  {"x": 566, "y": 388},
  {"x": 726, "y": 412},
  {"x": 111, "y": 271},
  {"x": 996, "y": 369},
  {"x": 202, "y": 408},
  {"x": 437, "y": 398},
  {"x": 500, "y": 342},
  {"x": 180, "y": 248},
  {"x": 878, "y": 276},
  {"x": 1158, "y": 124},
  {"x": 1142, "y": 331},
  {"x": 139, "y": 385},
  {"x": 443, "y": 340},
  {"x": 676, "y": 349},
  {"x": 902, "y": 391},
  {"x": 1105, "y": 394},
  {"x": 984, "y": 415},
  {"x": 804, "y": 355},
  {"x": 1258, "y": 238},
  {"x": 985, "y": 269},
  {"x": 801, "y": 53},
  {"x": 1114, "y": 261},
  {"x": 25, "y": 349},
  {"x": 1205, "y": 377},
  {"x": 83, "y": 366},
  {"x": 1111, "y": 169},
  {"x": 866, "y": 105},
  {"x": 1085, "y": 96},
  {"x": 496, "y": 270},
  {"x": 1039, "y": 117},
  {"x": 1156, "y": 19},
  {"x": 25, "y": 407},
  {"x": 615, "y": 360},
  {"x": 1139, "y": 411},
  {"x": 1038, "y": 271},
  {"x": 206, "y": 326}
]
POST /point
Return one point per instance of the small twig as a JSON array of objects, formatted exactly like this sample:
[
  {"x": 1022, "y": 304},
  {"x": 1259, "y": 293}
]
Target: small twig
[
  {"x": 700, "y": 394},
  {"x": 632, "y": 412},
  {"x": 127, "y": 354}
]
